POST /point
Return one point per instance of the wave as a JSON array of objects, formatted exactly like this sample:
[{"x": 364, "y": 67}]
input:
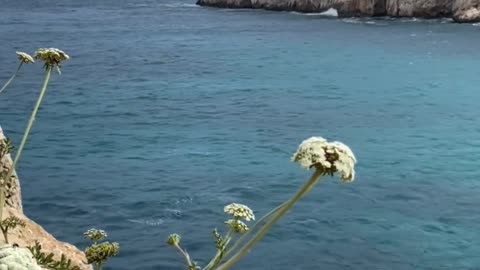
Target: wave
[
  {"x": 364, "y": 21},
  {"x": 352, "y": 21},
  {"x": 331, "y": 12},
  {"x": 167, "y": 5},
  {"x": 148, "y": 222},
  {"x": 178, "y": 5},
  {"x": 189, "y": 152}
]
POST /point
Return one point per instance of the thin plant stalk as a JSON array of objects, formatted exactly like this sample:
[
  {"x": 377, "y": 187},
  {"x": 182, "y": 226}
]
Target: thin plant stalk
[
  {"x": 2, "y": 201},
  {"x": 221, "y": 251},
  {"x": 24, "y": 139},
  {"x": 5, "y": 234},
  {"x": 13, "y": 77},
  {"x": 184, "y": 254},
  {"x": 265, "y": 218},
  {"x": 305, "y": 188}
]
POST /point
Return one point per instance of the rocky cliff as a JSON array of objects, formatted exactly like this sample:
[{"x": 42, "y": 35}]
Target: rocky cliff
[
  {"x": 32, "y": 231},
  {"x": 459, "y": 10}
]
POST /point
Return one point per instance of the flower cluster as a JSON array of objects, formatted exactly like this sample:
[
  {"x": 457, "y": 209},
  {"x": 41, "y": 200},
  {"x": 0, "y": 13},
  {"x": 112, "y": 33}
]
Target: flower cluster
[
  {"x": 239, "y": 211},
  {"x": 174, "y": 239},
  {"x": 95, "y": 235},
  {"x": 101, "y": 252},
  {"x": 237, "y": 226},
  {"x": 52, "y": 57},
  {"x": 25, "y": 58},
  {"x": 330, "y": 157},
  {"x": 11, "y": 223}
]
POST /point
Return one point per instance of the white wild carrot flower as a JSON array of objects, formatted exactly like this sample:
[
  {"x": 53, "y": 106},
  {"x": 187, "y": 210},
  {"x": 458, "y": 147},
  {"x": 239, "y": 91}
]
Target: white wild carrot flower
[
  {"x": 239, "y": 211},
  {"x": 174, "y": 239},
  {"x": 52, "y": 57},
  {"x": 330, "y": 157},
  {"x": 95, "y": 235},
  {"x": 237, "y": 225},
  {"x": 25, "y": 58}
]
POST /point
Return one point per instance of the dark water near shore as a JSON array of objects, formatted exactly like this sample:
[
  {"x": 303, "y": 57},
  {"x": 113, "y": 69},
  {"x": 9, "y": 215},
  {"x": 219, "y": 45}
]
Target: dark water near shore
[{"x": 167, "y": 112}]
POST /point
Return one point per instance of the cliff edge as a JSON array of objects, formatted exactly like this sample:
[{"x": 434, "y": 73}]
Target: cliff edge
[
  {"x": 459, "y": 10},
  {"x": 32, "y": 231}
]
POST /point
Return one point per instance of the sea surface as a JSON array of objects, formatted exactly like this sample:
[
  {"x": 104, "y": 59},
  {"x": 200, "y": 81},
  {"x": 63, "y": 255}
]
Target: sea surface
[{"x": 167, "y": 112}]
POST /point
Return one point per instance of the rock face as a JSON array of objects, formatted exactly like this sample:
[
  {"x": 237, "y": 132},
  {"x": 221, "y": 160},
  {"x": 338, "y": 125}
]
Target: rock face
[
  {"x": 461, "y": 10},
  {"x": 344, "y": 7},
  {"x": 17, "y": 258},
  {"x": 32, "y": 231},
  {"x": 419, "y": 8},
  {"x": 466, "y": 11}
]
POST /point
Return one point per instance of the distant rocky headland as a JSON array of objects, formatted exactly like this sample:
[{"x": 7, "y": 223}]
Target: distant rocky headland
[{"x": 463, "y": 11}]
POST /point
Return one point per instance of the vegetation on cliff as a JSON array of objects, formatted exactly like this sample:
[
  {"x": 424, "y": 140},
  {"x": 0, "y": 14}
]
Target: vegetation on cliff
[{"x": 96, "y": 254}]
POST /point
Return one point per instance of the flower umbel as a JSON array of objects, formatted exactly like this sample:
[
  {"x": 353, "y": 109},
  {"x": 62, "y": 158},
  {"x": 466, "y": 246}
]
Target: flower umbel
[
  {"x": 239, "y": 211},
  {"x": 12, "y": 222},
  {"x": 330, "y": 157},
  {"x": 237, "y": 226},
  {"x": 52, "y": 57},
  {"x": 174, "y": 239},
  {"x": 95, "y": 235},
  {"x": 25, "y": 58},
  {"x": 101, "y": 252}
]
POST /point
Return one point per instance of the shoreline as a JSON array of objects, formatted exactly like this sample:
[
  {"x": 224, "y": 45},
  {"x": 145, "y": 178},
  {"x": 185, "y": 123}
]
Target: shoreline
[{"x": 460, "y": 11}]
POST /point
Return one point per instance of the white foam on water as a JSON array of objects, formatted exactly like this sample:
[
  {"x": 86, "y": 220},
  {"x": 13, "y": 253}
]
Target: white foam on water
[
  {"x": 331, "y": 12},
  {"x": 167, "y": 5},
  {"x": 351, "y": 20},
  {"x": 179, "y": 5},
  {"x": 148, "y": 222}
]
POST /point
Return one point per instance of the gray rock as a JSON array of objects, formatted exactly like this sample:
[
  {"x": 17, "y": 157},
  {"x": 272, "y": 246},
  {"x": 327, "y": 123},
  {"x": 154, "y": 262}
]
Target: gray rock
[
  {"x": 466, "y": 11},
  {"x": 461, "y": 10},
  {"x": 226, "y": 3},
  {"x": 345, "y": 8},
  {"x": 359, "y": 8},
  {"x": 419, "y": 8},
  {"x": 16, "y": 258}
]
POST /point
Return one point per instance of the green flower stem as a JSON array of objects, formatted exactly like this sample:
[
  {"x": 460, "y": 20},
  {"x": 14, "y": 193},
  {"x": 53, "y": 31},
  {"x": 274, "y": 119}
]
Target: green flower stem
[
  {"x": 13, "y": 77},
  {"x": 99, "y": 266},
  {"x": 2, "y": 200},
  {"x": 24, "y": 140},
  {"x": 220, "y": 251},
  {"x": 5, "y": 233},
  {"x": 184, "y": 254},
  {"x": 262, "y": 220},
  {"x": 305, "y": 188},
  {"x": 265, "y": 218}
]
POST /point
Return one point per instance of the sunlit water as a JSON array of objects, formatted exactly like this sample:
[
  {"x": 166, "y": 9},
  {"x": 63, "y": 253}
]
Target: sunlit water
[{"x": 167, "y": 112}]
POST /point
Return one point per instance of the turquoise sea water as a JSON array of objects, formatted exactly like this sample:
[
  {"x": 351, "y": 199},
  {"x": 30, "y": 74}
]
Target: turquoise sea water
[{"x": 167, "y": 112}]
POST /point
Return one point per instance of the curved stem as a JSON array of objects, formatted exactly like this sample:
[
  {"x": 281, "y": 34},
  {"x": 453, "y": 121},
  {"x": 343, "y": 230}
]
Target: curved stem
[
  {"x": 184, "y": 254},
  {"x": 260, "y": 221},
  {"x": 5, "y": 234},
  {"x": 305, "y": 188},
  {"x": 220, "y": 251},
  {"x": 2, "y": 199},
  {"x": 11, "y": 78},
  {"x": 24, "y": 140},
  {"x": 265, "y": 218}
]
